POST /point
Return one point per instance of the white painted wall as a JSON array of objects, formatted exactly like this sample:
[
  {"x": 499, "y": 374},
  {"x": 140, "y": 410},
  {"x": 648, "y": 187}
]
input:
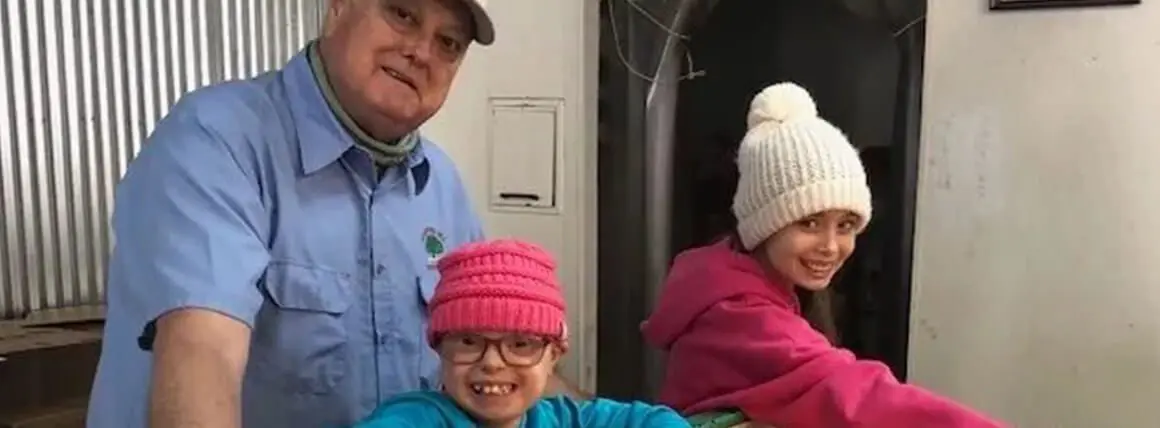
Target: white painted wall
[
  {"x": 1037, "y": 288},
  {"x": 543, "y": 49}
]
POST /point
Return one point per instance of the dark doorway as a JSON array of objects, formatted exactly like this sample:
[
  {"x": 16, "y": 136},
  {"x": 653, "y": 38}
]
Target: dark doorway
[{"x": 864, "y": 70}]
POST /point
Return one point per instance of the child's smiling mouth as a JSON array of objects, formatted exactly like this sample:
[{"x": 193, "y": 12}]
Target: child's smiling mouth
[{"x": 493, "y": 388}]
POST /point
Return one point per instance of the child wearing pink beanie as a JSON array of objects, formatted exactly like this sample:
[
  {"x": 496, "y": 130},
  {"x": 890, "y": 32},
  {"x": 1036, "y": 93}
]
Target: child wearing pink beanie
[{"x": 498, "y": 322}]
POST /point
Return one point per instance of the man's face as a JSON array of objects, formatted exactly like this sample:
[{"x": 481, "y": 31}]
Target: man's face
[{"x": 391, "y": 62}]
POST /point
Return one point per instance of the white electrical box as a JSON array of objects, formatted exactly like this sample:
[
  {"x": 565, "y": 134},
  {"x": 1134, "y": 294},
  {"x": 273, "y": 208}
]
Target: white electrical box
[{"x": 524, "y": 138}]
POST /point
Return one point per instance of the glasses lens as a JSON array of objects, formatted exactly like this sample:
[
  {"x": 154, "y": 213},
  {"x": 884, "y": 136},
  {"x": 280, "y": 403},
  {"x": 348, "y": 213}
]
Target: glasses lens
[
  {"x": 462, "y": 348},
  {"x": 522, "y": 350}
]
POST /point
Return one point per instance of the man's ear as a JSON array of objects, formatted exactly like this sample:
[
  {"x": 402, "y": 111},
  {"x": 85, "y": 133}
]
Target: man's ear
[
  {"x": 334, "y": 10},
  {"x": 338, "y": 6}
]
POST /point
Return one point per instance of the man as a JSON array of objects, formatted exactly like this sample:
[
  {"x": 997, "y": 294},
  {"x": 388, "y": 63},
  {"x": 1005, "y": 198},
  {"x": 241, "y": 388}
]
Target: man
[{"x": 276, "y": 237}]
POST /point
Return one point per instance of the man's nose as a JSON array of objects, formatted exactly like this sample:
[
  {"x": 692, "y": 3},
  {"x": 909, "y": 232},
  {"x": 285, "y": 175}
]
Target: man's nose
[{"x": 417, "y": 48}]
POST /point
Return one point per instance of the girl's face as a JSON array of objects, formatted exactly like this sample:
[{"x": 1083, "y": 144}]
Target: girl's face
[
  {"x": 496, "y": 377},
  {"x": 808, "y": 252}
]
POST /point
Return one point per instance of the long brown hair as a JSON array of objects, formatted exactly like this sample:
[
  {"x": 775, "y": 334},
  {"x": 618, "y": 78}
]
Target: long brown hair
[
  {"x": 817, "y": 306},
  {"x": 818, "y": 309}
]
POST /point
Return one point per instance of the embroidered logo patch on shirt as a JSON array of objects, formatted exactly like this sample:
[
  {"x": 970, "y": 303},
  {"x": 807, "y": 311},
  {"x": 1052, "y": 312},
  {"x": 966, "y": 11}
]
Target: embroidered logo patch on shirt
[{"x": 434, "y": 244}]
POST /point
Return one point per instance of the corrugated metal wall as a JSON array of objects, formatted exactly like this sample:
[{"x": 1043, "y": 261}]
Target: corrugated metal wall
[{"x": 81, "y": 84}]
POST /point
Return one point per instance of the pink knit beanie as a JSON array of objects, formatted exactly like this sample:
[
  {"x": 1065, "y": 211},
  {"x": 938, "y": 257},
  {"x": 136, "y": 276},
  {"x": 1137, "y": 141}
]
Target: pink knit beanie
[{"x": 502, "y": 285}]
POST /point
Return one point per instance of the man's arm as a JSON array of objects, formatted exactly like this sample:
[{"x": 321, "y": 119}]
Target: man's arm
[
  {"x": 199, "y": 357},
  {"x": 189, "y": 228}
]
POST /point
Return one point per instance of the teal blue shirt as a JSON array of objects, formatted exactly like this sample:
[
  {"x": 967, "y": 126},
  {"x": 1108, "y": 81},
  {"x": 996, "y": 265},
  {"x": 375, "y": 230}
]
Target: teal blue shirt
[{"x": 430, "y": 409}]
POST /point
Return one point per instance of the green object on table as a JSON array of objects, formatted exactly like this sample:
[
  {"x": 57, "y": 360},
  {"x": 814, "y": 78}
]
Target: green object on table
[{"x": 716, "y": 419}]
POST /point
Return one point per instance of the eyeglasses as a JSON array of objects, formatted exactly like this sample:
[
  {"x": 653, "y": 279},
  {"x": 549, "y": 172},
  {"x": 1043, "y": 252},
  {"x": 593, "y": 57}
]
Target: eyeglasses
[{"x": 515, "y": 350}]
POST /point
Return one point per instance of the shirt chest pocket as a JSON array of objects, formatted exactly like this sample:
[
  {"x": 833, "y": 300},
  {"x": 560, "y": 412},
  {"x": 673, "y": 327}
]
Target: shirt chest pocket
[{"x": 301, "y": 338}]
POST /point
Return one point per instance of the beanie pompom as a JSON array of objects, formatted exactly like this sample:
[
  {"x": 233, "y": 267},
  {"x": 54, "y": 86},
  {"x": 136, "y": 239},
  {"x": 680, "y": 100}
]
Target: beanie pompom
[{"x": 781, "y": 103}]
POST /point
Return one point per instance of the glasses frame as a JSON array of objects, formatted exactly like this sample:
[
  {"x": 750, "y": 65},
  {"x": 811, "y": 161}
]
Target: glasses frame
[{"x": 488, "y": 344}]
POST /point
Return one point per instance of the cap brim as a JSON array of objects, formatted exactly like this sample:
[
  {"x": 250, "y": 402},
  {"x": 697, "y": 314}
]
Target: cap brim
[{"x": 484, "y": 29}]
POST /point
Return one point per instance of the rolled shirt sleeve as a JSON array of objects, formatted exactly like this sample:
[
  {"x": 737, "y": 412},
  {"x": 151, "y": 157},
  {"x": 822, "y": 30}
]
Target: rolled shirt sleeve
[{"x": 189, "y": 223}]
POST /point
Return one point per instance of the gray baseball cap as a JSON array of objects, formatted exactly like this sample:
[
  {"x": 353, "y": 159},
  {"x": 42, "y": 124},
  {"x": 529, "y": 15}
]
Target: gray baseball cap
[{"x": 484, "y": 29}]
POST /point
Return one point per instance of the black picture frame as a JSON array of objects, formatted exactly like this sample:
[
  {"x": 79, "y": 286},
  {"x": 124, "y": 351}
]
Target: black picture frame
[{"x": 1045, "y": 4}]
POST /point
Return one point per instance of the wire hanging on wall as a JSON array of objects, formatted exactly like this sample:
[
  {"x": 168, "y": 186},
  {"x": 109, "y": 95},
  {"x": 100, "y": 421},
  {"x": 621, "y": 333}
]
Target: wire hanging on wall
[
  {"x": 670, "y": 34},
  {"x": 909, "y": 25}
]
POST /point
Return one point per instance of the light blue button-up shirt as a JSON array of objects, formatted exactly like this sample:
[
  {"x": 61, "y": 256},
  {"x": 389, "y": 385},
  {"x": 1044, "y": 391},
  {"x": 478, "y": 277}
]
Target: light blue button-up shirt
[{"x": 250, "y": 199}]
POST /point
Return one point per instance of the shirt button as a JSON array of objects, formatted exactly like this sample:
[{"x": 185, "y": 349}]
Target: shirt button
[
  {"x": 382, "y": 339},
  {"x": 363, "y": 262},
  {"x": 380, "y": 269}
]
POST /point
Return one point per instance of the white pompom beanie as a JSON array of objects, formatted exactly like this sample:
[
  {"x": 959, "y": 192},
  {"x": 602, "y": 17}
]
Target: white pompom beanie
[{"x": 793, "y": 164}]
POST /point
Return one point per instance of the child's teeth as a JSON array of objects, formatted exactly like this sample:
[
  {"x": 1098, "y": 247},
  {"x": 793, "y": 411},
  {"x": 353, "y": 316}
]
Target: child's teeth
[{"x": 493, "y": 389}]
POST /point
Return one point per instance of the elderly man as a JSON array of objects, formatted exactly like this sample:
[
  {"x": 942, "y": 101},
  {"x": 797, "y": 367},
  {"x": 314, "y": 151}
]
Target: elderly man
[{"x": 275, "y": 238}]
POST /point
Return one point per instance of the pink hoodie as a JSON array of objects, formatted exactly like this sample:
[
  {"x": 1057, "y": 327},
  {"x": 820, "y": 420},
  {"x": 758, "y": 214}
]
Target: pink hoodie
[{"x": 737, "y": 341}]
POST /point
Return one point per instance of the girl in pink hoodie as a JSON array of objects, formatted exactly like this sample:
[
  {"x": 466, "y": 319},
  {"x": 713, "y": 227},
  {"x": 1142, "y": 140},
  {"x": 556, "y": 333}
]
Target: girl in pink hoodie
[{"x": 729, "y": 316}]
